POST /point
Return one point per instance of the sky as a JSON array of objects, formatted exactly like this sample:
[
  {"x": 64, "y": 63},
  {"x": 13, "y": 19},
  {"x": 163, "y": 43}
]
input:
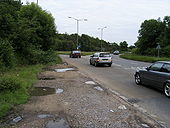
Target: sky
[{"x": 123, "y": 18}]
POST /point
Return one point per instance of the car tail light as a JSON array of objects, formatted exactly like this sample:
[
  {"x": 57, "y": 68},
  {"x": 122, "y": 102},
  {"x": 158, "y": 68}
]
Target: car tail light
[{"x": 97, "y": 59}]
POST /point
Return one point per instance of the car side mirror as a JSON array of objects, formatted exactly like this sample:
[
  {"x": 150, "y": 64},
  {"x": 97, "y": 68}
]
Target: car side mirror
[{"x": 147, "y": 68}]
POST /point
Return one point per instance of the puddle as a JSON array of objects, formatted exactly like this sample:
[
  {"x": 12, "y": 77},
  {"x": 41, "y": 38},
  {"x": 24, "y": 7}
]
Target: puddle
[
  {"x": 123, "y": 107},
  {"x": 133, "y": 100},
  {"x": 46, "y": 78},
  {"x": 59, "y": 123},
  {"x": 64, "y": 70},
  {"x": 42, "y": 91},
  {"x": 16, "y": 120},
  {"x": 90, "y": 82},
  {"x": 58, "y": 91},
  {"x": 42, "y": 116},
  {"x": 145, "y": 125},
  {"x": 98, "y": 88}
]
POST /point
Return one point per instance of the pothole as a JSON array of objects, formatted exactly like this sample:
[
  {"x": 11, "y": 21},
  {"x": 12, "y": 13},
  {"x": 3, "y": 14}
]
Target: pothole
[
  {"x": 133, "y": 100},
  {"x": 90, "y": 82},
  {"x": 98, "y": 88},
  {"x": 64, "y": 69},
  {"x": 46, "y": 78},
  {"x": 58, "y": 91},
  {"x": 59, "y": 123},
  {"x": 42, "y": 91},
  {"x": 42, "y": 116}
]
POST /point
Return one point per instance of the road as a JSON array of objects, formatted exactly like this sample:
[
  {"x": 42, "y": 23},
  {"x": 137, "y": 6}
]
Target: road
[{"x": 120, "y": 79}]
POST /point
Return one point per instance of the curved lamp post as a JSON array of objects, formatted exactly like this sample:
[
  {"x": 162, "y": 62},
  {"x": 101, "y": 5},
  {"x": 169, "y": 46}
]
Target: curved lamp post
[
  {"x": 78, "y": 27},
  {"x": 101, "y": 35}
]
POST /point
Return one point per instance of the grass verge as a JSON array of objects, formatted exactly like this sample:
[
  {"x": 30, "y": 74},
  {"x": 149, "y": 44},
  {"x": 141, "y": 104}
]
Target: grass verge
[
  {"x": 68, "y": 52},
  {"x": 143, "y": 58},
  {"x": 26, "y": 76}
]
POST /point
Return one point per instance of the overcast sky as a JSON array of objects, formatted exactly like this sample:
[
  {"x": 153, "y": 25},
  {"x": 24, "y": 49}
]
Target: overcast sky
[{"x": 122, "y": 17}]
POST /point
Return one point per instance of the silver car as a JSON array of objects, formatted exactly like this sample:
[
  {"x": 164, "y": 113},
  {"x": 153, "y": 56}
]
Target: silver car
[
  {"x": 157, "y": 75},
  {"x": 101, "y": 58}
]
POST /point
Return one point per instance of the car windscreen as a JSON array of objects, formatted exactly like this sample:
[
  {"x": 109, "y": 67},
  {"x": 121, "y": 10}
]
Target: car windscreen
[
  {"x": 76, "y": 51},
  {"x": 105, "y": 55}
]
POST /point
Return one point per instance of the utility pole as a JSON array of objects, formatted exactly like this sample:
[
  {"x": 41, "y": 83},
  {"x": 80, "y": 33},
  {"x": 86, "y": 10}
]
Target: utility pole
[
  {"x": 78, "y": 28},
  {"x": 37, "y": 2},
  {"x": 101, "y": 36}
]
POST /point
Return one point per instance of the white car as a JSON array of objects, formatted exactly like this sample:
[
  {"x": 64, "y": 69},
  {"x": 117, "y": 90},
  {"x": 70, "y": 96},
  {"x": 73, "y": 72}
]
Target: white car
[{"x": 101, "y": 58}]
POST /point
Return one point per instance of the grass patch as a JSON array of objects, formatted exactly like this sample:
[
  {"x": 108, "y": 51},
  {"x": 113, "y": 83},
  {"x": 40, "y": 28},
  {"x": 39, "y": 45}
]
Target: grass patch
[
  {"x": 143, "y": 58},
  {"x": 68, "y": 53},
  {"x": 24, "y": 77},
  {"x": 27, "y": 76}
]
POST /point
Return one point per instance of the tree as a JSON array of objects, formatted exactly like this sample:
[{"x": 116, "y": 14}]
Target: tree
[
  {"x": 36, "y": 29},
  {"x": 9, "y": 18},
  {"x": 115, "y": 46},
  {"x": 149, "y": 35},
  {"x": 123, "y": 46}
]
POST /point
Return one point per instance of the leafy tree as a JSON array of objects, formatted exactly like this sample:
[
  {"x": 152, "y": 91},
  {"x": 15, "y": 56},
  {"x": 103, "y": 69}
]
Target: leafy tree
[
  {"x": 124, "y": 46},
  {"x": 165, "y": 37},
  {"x": 7, "y": 58},
  {"x": 9, "y": 18},
  {"x": 149, "y": 35}
]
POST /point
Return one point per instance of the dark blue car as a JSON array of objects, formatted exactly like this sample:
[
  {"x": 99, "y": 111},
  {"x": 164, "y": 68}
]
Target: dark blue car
[{"x": 157, "y": 76}]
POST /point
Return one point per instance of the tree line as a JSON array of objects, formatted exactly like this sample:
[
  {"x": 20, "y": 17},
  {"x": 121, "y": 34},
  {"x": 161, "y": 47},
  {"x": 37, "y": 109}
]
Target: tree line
[{"x": 66, "y": 42}]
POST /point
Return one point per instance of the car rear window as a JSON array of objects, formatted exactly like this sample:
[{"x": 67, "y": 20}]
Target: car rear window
[
  {"x": 105, "y": 55},
  {"x": 76, "y": 51}
]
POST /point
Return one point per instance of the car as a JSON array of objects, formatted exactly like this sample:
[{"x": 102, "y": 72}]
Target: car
[
  {"x": 75, "y": 54},
  {"x": 101, "y": 58},
  {"x": 157, "y": 76},
  {"x": 116, "y": 52}
]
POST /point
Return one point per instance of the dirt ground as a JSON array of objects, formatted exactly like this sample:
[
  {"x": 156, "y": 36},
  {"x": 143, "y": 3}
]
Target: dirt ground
[{"x": 76, "y": 104}]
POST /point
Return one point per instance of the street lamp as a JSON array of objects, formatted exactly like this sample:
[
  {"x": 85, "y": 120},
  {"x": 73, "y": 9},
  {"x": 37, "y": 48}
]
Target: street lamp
[
  {"x": 158, "y": 48},
  {"x": 77, "y": 27},
  {"x": 102, "y": 35}
]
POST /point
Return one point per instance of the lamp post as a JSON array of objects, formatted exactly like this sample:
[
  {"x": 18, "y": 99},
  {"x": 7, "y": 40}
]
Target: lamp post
[
  {"x": 37, "y": 2},
  {"x": 158, "y": 48},
  {"x": 77, "y": 27},
  {"x": 102, "y": 35}
]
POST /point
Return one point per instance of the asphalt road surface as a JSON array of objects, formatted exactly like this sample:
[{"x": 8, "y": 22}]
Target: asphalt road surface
[{"x": 120, "y": 79}]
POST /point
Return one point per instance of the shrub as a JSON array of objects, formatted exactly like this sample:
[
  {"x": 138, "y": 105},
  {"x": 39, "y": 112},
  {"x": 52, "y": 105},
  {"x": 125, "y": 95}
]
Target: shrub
[
  {"x": 7, "y": 58},
  {"x": 48, "y": 57},
  {"x": 9, "y": 84},
  {"x": 165, "y": 51},
  {"x": 40, "y": 57}
]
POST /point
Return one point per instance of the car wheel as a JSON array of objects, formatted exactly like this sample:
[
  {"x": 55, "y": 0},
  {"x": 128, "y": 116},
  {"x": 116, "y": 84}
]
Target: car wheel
[
  {"x": 95, "y": 64},
  {"x": 167, "y": 89},
  {"x": 138, "y": 79},
  {"x": 110, "y": 65},
  {"x": 90, "y": 62}
]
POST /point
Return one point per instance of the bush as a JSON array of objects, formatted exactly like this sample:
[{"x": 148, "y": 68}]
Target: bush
[
  {"x": 165, "y": 51},
  {"x": 7, "y": 58},
  {"x": 40, "y": 57},
  {"x": 48, "y": 57},
  {"x": 9, "y": 84},
  {"x": 150, "y": 52}
]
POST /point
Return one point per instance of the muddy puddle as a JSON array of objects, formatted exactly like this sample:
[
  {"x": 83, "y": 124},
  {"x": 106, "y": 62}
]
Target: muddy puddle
[
  {"x": 42, "y": 91},
  {"x": 59, "y": 123}
]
